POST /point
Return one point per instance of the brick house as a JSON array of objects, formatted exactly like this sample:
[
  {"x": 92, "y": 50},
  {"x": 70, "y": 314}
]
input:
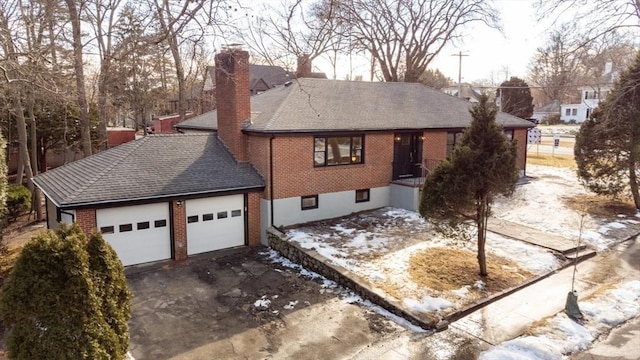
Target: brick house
[{"x": 311, "y": 149}]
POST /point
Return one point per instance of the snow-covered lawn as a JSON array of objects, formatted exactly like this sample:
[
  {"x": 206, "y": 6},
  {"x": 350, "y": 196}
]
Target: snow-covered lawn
[
  {"x": 377, "y": 245},
  {"x": 540, "y": 204},
  {"x": 560, "y": 335}
]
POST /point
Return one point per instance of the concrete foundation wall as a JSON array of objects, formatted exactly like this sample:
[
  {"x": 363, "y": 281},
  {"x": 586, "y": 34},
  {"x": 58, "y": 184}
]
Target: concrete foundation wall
[
  {"x": 330, "y": 205},
  {"x": 404, "y": 197}
]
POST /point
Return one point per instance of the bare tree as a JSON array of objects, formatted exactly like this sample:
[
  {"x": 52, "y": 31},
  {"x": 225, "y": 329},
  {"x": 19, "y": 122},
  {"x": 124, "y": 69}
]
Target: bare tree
[
  {"x": 555, "y": 67},
  {"x": 74, "y": 7},
  {"x": 297, "y": 28},
  {"x": 184, "y": 24},
  {"x": 404, "y": 36},
  {"x": 595, "y": 18},
  {"x": 102, "y": 16}
]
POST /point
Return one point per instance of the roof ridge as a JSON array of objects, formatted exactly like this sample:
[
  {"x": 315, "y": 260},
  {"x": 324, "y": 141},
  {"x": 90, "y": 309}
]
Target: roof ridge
[
  {"x": 280, "y": 109},
  {"x": 137, "y": 143}
]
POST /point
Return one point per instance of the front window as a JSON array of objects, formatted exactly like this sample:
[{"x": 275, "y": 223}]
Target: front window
[
  {"x": 509, "y": 134},
  {"x": 574, "y": 111},
  {"x": 453, "y": 138},
  {"x": 567, "y": 111},
  {"x": 338, "y": 150}
]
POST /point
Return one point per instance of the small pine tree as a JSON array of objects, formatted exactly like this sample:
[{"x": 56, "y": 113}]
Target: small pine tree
[
  {"x": 112, "y": 291},
  {"x": 49, "y": 302},
  {"x": 607, "y": 148},
  {"x": 461, "y": 189}
]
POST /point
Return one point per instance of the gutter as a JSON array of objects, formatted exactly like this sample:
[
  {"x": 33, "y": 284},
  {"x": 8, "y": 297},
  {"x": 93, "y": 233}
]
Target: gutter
[{"x": 158, "y": 197}]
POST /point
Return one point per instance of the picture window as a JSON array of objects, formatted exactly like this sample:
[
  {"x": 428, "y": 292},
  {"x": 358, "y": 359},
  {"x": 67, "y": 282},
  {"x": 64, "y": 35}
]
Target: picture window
[{"x": 338, "y": 150}]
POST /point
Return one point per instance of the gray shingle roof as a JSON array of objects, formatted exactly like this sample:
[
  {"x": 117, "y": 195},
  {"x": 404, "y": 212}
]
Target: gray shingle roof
[
  {"x": 154, "y": 166},
  {"x": 206, "y": 122},
  {"x": 329, "y": 105},
  {"x": 272, "y": 75}
]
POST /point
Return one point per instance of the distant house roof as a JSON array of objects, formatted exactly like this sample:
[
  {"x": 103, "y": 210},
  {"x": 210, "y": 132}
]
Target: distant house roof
[
  {"x": 155, "y": 166},
  {"x": 552, "y": 107},
  {"x": 312, "y": 105},
  {"x": 203, "y": 122},
  {"x": 468, "y": 92},
  {"x": 261, "y": 77}
]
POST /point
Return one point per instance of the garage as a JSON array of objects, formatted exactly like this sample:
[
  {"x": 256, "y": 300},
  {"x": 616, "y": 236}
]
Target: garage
[
  {"x": 215, "y": 223},
  {"x": 139, "y": 233}
]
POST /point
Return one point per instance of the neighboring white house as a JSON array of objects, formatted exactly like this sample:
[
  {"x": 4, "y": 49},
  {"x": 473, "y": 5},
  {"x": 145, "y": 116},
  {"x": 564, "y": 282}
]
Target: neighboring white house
[{"x": 589, "y": 98}]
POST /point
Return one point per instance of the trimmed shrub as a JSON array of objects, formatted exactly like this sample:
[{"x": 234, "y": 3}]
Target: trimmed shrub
[
  {"x": 51, "y": 304},
  {"x": 18, "y": 201},
  {"x": 113, "y": 294}
]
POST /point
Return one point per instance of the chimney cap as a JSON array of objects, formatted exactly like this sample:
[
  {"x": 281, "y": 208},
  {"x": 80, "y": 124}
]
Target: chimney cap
[{"x": 232, "y": 47}]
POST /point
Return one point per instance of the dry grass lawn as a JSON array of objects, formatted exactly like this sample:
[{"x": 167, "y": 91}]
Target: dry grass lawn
[
  {"x": 566, "y": 161},
  {"x": 445, "y": 269},
  {"x": 597, "y": 205}
]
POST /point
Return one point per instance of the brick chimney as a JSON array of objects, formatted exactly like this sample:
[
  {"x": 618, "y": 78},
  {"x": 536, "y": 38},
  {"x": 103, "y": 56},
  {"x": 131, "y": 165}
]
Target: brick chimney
[
  {"x": 233, "y": 99},
  {"x": 304, "y": 66}
]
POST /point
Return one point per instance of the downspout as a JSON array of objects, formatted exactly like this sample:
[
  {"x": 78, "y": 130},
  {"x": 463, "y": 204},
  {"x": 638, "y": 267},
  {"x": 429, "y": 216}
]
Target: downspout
[
  {"x": 526, "y": 146},
  {"x": 271, "y": 178}
]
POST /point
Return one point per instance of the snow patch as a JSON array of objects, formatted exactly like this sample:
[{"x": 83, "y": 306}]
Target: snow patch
[{"x": 427, "y": 304}]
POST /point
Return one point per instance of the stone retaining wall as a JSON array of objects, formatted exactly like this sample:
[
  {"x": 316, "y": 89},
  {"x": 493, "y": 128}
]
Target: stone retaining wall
[{"x": 313, "y": 261}]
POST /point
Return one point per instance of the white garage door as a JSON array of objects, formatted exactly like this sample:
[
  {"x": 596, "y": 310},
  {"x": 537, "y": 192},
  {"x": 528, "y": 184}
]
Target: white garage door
[
  {"x": 139, "y": 233},
  {"x": 215, "y": 223}
]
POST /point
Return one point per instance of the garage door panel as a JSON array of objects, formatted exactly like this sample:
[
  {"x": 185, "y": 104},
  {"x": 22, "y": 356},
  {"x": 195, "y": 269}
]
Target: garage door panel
[
  {"x": 139, "y": 233},
  {"x": 215, "y": 223}
]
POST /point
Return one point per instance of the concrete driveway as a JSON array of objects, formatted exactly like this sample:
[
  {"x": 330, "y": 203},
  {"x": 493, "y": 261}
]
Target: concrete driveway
[{"x": 205, "y": 308}]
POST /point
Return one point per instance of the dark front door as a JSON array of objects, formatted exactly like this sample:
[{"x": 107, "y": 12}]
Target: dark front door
[{"x": 407, "y": 155}]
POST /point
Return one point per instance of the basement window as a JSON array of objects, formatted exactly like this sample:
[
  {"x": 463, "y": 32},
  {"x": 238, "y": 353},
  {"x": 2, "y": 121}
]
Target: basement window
[
  {"x": 362, "y": 195},
  {"x": 309, "y": 202}
]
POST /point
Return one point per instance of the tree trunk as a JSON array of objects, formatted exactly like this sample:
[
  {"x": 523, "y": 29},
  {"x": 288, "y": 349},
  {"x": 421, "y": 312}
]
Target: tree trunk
[
  {"x": 182, "y": 91},
  {"x": 85, "y": 125},
  {"x": 103, "y": 112},
  {"x": 37, "y": 195},
  {"x": 22, "y": 135},
  {"x": 633, "y": 180},
  {"x": 481, "y": 221}
]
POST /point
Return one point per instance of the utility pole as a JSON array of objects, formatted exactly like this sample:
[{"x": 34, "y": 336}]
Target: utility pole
[{"x": 459, "y": 55}]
